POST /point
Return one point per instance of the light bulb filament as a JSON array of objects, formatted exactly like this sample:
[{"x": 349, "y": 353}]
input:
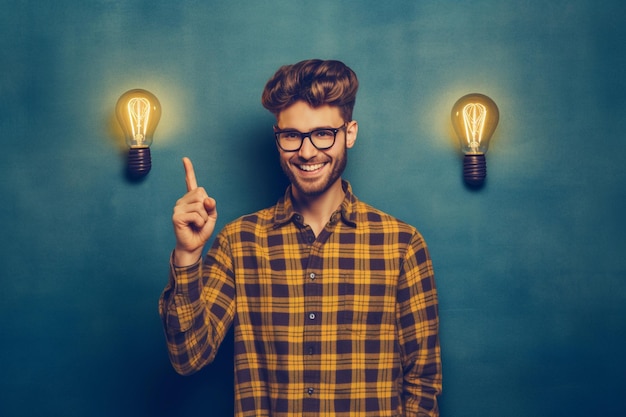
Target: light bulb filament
[
  {"x": 139, "y": 115},
  {"x": 474, "y": 117}
]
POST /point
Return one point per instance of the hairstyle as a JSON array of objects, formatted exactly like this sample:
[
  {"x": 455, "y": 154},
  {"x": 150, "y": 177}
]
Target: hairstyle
[{"x": 314, "y": 81}]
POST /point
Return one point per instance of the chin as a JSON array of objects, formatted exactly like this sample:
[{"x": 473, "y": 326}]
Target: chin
[{"x": 309, "y": 190}]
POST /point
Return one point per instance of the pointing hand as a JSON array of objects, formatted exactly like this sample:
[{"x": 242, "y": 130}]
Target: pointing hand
[{"x": 194, "y": 218}]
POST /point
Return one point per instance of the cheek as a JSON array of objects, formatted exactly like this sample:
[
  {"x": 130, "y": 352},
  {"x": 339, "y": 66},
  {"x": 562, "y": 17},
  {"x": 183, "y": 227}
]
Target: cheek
[{"x": 284, "y": 162}]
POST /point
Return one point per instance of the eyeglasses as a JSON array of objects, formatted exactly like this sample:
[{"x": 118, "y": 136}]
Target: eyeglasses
[{"x": 292, "y": 140}]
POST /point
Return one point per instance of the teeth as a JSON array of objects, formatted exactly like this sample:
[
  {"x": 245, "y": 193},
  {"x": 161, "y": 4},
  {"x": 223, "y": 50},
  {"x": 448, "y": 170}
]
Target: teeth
[{"x": 310, "y": 168}]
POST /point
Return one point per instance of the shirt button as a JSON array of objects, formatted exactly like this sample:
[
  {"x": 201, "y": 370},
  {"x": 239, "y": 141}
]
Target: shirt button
[
  {"x": 310, "y": 391},
  {"x": 311, "y": 239},
  {"x": 312, "y": 276},
  {"x": 311, "y": 350},
  {"x": 312, "y": 316}
]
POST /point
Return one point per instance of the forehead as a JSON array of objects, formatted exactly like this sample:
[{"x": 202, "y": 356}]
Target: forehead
[{"x": 301, "y": 116}]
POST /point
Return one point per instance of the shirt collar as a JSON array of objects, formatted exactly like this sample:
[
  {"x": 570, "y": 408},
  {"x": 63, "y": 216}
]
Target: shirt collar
[{"x": 285, "y": 212}]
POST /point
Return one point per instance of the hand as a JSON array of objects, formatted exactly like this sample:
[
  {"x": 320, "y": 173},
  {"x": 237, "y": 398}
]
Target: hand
[{"x": 194, "y": 218}]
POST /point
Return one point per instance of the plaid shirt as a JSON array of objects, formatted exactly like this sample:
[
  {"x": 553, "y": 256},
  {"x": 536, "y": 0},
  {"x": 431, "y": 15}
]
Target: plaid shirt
[{"x": 342, "y": 324}]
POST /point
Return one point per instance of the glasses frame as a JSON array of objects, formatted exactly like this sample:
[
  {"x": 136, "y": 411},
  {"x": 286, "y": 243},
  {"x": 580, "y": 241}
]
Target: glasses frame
[{"x": 308, "y": 135}]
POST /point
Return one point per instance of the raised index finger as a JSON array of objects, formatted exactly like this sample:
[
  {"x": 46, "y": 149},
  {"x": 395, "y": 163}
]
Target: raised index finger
[{"x": 190, "y": 175}]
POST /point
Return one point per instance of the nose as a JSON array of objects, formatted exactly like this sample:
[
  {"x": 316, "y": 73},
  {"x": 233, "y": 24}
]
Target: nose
[{"x": 307, "y": 150}]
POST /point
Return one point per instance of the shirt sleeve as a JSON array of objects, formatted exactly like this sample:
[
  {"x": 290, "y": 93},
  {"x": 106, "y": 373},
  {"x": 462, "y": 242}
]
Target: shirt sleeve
[
  {"x": 418, "y": 324},
  {"x": 197, "y": 308}
]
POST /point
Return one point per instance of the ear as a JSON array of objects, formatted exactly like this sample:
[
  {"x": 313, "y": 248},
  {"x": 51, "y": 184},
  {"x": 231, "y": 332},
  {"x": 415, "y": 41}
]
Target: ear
[{"x": 351, "y": 132}]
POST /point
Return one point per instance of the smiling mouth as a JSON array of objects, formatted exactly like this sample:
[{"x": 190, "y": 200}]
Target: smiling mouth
[{"x": 311, "y": 167}]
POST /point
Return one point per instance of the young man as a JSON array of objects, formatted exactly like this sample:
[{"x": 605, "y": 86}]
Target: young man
[{"x": 333, "y": 302}]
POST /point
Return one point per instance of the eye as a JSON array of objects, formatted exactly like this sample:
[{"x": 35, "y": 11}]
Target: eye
[
  {"x": 289, "y": 135},
  {"x": 323, "y": 134}
]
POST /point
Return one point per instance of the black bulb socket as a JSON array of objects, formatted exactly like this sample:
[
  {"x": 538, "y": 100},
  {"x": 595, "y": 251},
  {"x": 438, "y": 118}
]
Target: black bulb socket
[
  {"x": 139, "y": 162},
  {"x": 474, "y": 169}
]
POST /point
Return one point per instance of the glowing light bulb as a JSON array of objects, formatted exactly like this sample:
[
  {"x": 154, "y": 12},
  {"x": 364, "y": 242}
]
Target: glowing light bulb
[
  {"x": 138, "y": 112},
  {"x": 475, "y": 118}
]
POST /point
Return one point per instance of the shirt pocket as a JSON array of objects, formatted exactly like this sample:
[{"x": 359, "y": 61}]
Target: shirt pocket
[{"x": 366, "y": 303}]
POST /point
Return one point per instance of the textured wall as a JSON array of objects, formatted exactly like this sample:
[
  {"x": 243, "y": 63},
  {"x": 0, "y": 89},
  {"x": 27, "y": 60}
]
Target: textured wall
[{"x": 530, "y": 269}]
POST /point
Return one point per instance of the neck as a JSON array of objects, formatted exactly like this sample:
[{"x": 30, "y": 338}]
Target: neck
[{"x": 317, "y": 210}]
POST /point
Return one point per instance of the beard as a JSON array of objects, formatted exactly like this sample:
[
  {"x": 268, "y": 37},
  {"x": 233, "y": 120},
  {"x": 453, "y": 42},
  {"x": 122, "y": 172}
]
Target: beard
[{"x": 308, "y": 189}]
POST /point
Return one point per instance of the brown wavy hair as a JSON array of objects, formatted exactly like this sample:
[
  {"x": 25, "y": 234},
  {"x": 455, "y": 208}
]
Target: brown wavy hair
[{"x": 314, "y": 81}]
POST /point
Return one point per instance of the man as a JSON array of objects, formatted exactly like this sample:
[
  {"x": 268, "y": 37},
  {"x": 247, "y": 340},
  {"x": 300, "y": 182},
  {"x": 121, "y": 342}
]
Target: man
[{"x": 333, "y": 302}]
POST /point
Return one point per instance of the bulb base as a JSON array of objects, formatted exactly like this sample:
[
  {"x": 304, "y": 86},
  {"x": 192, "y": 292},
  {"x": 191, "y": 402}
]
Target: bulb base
[
  {"x": 139, "y": 162},
  {"x": 474, "y": 169}
]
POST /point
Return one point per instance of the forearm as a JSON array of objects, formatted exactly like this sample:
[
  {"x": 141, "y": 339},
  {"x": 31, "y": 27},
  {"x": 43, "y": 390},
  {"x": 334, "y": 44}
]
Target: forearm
[
  {"x": 419, "y": 333},
  {"x": 422, "y": 382},
  {"x": 193, "y": 330}
]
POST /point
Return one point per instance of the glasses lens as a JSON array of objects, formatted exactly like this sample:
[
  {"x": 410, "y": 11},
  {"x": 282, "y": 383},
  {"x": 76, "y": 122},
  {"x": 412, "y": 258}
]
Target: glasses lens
[
  {"x": 323, "y": 138},
  {"x": 289, "y": 140}
]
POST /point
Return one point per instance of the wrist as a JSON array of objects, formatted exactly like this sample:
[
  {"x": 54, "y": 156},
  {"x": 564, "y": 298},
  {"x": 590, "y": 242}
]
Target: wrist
[{"x": 183, "y": 258}]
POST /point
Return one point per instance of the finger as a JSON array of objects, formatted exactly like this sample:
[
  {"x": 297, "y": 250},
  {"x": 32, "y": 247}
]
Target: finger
[
  {"x": 190, "y": 175},
  {"x": 209, "y": 204},
  {"x": 210, "y": 207}
]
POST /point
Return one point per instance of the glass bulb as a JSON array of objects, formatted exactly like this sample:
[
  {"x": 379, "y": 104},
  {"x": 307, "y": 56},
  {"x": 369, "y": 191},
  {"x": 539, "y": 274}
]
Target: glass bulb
[
  {"x": 138, "y": 112},
  {"x": 475, "y": 118}
]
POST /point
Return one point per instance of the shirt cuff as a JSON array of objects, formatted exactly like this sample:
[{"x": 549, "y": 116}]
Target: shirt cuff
[{"x": 186, "y": 279}]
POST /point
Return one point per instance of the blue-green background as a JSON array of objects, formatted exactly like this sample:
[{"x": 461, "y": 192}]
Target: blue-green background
[{"x": 531, "y": 269}]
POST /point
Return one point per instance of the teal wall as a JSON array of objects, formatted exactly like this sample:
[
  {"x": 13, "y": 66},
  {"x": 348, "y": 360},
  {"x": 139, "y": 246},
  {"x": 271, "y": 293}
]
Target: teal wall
[{"x": 531, "y": 268}]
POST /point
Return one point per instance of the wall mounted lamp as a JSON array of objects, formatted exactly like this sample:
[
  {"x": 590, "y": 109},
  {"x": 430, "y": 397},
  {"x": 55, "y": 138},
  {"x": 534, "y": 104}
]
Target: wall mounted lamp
[
  {"x": 475, "y": 117},
  {"x": 138, "y": 112}
]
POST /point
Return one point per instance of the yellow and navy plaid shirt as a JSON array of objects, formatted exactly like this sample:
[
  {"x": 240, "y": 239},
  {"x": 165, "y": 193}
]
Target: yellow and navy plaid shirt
[{"x": 342, "y": 324}]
